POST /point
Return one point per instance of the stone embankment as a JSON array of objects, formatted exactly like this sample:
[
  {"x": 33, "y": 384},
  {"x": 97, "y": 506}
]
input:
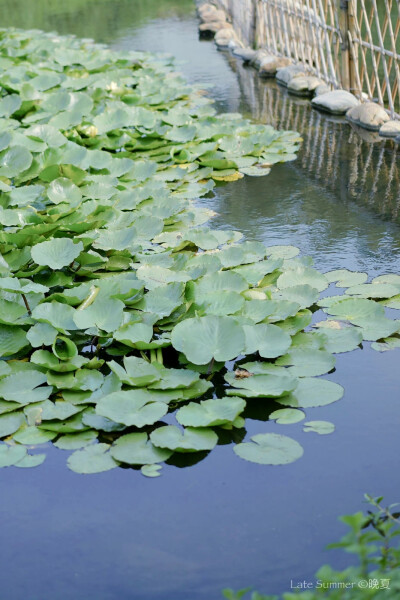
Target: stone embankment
[{"x": 297, "y": 77}]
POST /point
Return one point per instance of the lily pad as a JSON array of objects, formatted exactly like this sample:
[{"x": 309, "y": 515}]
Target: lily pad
[
  {"x": 320, "y": 427},
  {"x": 269, "y": 449},
  {"x": 208, "y": 413},
  {"x": 92, "y": 459},
  {"x": 191, "y": 439},
  {"x": 215, "y": 337},
  {"x": 137, "y": 449}
]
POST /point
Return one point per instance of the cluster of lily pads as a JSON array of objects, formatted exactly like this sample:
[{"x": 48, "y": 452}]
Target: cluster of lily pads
[{"x": 130, "y": 332}]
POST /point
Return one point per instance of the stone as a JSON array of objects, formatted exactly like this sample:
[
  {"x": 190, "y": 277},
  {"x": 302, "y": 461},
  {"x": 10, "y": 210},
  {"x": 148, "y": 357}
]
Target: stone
[
  {"x": 224, "y": 36},
  {"x": 214, "y": 26},
  {"x": 390, "y": 129},
  {"x": 286, "y": 74},
  {"x": 270, "y": 64},
  {"x": 206, "y": 8},
  {"x": 213, "y": 15},
  {"x": 368, "y": 115},
  {"x": 304, "y": 86},
  {"x": 337, "y": 102},
  {"x": 258, "y": 58},
  {"x": 246, "y": 54},
  {"x": 235, "y": 43},
  {"x": 323, "y": 88}
]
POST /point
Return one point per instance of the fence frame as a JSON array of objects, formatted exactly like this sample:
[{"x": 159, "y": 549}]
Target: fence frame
[{"x": 350, "y": 44}]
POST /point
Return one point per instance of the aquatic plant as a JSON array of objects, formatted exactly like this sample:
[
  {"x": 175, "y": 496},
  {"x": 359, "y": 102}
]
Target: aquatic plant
[
  {"x": 120, "y": 311},
  {"x": 372, "y": 538}
]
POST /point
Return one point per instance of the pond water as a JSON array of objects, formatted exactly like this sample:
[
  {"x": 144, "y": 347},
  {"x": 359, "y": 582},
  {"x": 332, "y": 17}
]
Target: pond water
[{"x": 225, "y": 522}]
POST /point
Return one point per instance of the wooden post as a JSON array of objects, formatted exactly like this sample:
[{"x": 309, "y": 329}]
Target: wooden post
[
  {"x": 345, "y": 46},
  {"x": 352, "y": 17}
]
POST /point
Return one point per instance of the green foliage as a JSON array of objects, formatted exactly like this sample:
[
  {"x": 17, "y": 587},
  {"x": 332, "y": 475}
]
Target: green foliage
[
  {"x": 118, "y": 306},
  {"x": 372, "y": 537}
]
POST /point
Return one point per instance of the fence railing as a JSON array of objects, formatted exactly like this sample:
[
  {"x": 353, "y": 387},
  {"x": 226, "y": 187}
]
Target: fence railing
[{"x": 352, "y": 44}]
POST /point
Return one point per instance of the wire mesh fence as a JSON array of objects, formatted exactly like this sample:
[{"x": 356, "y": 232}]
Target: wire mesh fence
[{"x": 352, "y": 44}]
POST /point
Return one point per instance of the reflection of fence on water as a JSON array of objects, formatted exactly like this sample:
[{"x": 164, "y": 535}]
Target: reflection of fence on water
[
  {"x": 353, "y": 44},
  {"x": 333, "y": 153}
]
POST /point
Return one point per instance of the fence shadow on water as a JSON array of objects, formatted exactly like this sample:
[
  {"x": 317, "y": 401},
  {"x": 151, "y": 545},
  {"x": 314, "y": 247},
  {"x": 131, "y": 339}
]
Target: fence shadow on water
[{"x": 352, "y": 163}]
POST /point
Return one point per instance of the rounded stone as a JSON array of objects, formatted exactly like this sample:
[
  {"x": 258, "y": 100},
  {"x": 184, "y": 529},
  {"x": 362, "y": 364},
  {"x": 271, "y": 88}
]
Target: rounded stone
[
  {"x": 323, "y": 88},
  {"x": 270, "y": 64},
  {"x": 246, "y": 54},
  {"x": 224, "y": 36},
  {"x": 286, "y": 74},
  {"x": 214, "y": 26},
  {"x": 304, "y": 86},
  {"x": 390, "y": 129},
  {"x": 337, "y": 102},
  {"x": 258, "y": 58},
  {"x": 213, "y": 15},
  {"x": 368, "y": 115}
]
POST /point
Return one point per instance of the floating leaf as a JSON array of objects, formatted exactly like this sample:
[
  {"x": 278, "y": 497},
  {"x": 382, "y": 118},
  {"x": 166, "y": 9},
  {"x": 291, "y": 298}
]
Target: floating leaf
[
  {"x": 308, "y": 362},
  {"x": 137, "y": 449},
  {"x": 287, "y": 416},
  {"x": 208, "y": 413},
  {"x": 321, "y": 427},
  {"x": 11, "y": 455},
  {"x": 215, "y": 337},
  {"x": 151, "y": 470},
  {"x": 56, "y": 253},
  {"x": 261, "y": 386},
  {"x": 191, "y": 439},
  {"x": 92, "y": 459},
  {"x": 269, "y": 449},
  {"x": 313, "y": 392},
  {"x": 133, "y": 407}
]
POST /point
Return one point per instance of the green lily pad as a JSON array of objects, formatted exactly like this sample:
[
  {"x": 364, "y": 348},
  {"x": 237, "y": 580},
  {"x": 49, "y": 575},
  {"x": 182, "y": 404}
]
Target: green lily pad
[
  {"x": 11, "y": 455},
  {"x": 215, "y": 337},
  {"x": 56, "y": 253},
  {"x": 287, "y": 416},
  {"x": 269, "y": 449},
  {"x": 313, "y": 392},
  {"x": 92, "y": 459},
  {"x": 321, "y": 427},
  {"x": 137, "y": 449},
  {"x": 191, "y": 439},
  {"x": 208, "y": 413},
  {"x": 133, "y": 407},
  {"x": 151, "y": 470}
]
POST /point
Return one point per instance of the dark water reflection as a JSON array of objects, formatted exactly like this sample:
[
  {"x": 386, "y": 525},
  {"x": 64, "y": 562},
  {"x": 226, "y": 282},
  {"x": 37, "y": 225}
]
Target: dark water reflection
[{"x": 224, "y": 522}]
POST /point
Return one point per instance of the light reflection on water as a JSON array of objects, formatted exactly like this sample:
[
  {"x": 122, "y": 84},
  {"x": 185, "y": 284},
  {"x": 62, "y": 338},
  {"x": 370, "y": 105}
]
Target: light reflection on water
[{"x": 225, "y": 522}]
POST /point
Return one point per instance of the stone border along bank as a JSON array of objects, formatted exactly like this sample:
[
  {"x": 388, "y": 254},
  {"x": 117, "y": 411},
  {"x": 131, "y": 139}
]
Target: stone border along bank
[{"x": 296, "y": 76}]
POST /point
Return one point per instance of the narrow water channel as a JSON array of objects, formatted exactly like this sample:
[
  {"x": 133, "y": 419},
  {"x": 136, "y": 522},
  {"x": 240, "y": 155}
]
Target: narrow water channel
[{"x": 225, "y": 522}]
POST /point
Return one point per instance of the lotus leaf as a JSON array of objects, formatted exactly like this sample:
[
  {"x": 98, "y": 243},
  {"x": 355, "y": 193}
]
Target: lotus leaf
[
  {"x": 321, "y": 427},
  {"x": 269, "y": 449},
  {"x": 287, "y": 416},
  {"x": 92, "y": 459},
  {"x": 133, "y": 407},
  {"x": 215, "y": 337},
  {"x": 191, "y": 439},
  {"x": 137, "y": 449},
  {"x": 208, "y": 413},
  {"x": 56, "y": 253}
]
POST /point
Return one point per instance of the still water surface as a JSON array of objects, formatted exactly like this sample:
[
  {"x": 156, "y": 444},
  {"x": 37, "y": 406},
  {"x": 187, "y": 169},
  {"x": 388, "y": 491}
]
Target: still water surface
[{"x": 224, "y": 522}]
